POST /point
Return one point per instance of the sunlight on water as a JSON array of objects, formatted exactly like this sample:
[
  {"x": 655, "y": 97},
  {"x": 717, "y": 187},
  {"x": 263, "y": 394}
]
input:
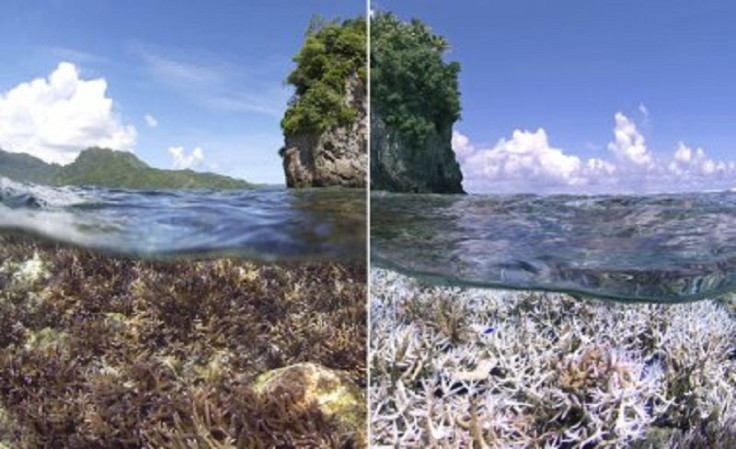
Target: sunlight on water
[{"x": 660, "y": 248}]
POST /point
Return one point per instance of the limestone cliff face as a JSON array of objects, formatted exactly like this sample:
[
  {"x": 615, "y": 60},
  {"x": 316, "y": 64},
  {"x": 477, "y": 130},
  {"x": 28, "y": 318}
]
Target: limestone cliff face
[
  {"x": 399, "y": 167},
  {"x": 336, "y": 157}
]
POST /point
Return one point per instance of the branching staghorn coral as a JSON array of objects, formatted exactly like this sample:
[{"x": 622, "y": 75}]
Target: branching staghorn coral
[
  {"x": 544, "y": 370},
  {"x": 100, "y": 351}
]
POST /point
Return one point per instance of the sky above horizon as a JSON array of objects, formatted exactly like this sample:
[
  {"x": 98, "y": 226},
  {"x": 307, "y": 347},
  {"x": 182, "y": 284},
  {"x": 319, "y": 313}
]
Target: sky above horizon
[
  {"x": 590, "y": 97},
  {"x": 199, "y": 86}
]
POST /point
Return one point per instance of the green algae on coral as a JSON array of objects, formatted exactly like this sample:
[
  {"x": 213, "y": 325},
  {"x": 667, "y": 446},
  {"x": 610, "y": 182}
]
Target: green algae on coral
[{"x": 46, "y": 339}]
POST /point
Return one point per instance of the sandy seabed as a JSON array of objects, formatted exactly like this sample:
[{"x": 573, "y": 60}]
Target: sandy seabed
[
  {"x": 483, "y": 368},
  {"x": 101, "y": 351}
]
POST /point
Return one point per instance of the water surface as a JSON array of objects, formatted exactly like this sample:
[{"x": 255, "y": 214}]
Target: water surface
[
  {"x": 267, "y": 224},
  {"x": 659, "y": 248}
]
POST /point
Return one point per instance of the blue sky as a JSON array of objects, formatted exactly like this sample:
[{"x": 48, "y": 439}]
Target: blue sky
[
  {"x": 668, "y": 68},
  {"x": 209, "y": 74}
]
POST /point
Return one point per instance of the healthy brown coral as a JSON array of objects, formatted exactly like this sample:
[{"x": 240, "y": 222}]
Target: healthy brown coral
[{"x": 110, "y": 351}]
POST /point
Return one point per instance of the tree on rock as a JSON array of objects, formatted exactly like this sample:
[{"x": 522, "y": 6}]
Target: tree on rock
[
  {"x": 324, "y": 124},
  {"x": 415, "y": 100}
]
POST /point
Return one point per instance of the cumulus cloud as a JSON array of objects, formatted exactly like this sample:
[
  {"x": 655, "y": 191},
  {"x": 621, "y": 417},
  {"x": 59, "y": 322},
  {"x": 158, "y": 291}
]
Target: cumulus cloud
[
  {"x": 527, "y": 158},
  {"x": 689, "y": 162},
  {"x": 54, "y": 118},
  {"x": 629, "y": 145},
  {"x": 461, "y": 146},
  {"x": 527, "y": 162},
  {"x": 182, "y": 160},
  {"x": 150, "y": 121}
]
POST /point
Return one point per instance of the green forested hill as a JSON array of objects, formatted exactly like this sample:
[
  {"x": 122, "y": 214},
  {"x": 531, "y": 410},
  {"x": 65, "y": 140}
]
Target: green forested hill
[
  {"x": 108, "y": 168},
  {"x": 23, "y": 167}
]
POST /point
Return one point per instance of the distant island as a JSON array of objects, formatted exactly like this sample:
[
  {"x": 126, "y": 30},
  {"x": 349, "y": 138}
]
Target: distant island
[{"x": 108, "y": 168}]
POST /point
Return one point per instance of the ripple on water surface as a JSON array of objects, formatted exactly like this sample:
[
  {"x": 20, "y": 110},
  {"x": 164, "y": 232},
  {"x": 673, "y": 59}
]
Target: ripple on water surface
[
  {"x": 268, "y": 224},
  {"x": 660, "y": 248}
]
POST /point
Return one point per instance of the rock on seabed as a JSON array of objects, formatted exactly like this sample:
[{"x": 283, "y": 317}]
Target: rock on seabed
[{"x": 330, "y": 390}]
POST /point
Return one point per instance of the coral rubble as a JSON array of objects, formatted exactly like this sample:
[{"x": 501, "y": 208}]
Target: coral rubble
[
  {"x": 454, "y": 367},
  {"x": 104, "y": 351}
]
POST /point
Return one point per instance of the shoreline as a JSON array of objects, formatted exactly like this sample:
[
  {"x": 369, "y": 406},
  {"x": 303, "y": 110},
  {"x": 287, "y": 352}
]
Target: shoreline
[
  {"x": 502, "y": 368},
  {"x": 103, "y": 350}
]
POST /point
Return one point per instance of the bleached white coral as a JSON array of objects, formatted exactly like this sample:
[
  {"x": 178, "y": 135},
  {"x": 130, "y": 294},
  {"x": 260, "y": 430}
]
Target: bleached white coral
[{"x": 492, "y": 368}]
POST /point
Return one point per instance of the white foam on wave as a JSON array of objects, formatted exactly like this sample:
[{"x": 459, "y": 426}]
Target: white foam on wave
[
  {"x": 46, "y": 196},
  {"x": 56, "y": 225}
]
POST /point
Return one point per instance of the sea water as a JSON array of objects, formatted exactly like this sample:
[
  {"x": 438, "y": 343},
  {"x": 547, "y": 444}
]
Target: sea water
[
  {"x": 654, "y": 248},
  {"x": 266, "y": 224}
]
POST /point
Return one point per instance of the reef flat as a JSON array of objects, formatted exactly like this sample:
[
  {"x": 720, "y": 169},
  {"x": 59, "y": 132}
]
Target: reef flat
[
  {"x": 488, "y": 368},
  {"x": 102, "y": 351}
]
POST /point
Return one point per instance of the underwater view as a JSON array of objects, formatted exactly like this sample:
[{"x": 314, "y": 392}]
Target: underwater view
[
  {"x": 181, "y": 318},
  {"x": 527, "y": 321}
]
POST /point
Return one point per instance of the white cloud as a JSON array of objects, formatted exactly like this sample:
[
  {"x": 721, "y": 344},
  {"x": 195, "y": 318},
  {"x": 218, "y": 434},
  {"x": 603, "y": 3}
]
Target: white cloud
[
  {"x": 150, "y": 121},
  {"x": 524, "y": 160},
  {"x": 629, "y": 145},
  {"x": 644, "y": 111},
  {"x": 183, "y": 160},
  {"x": 461, "y": 146},
  {"x": 55, "y": 118},
  {"x": 528, "y": 163},
  {"x": 687, "y": 161}
]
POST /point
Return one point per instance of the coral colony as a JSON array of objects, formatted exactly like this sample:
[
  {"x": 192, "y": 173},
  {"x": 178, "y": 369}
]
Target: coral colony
[
  {"x": 103, "y": 351},
  {"x": 517, "y": 369}
]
